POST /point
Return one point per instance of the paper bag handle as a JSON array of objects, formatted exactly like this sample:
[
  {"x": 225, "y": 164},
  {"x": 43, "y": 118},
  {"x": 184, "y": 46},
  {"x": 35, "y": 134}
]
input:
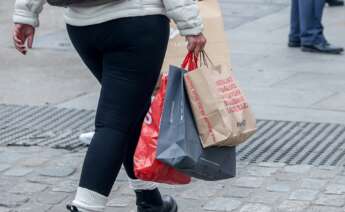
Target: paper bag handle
[{"x": 204, "y": 59}]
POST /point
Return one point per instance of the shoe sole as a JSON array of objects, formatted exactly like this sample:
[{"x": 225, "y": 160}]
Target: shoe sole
[
  {"x": 336, "y": 5},
  {"x": 294, "y": 46},
  {"x": 317, "y": 51}
]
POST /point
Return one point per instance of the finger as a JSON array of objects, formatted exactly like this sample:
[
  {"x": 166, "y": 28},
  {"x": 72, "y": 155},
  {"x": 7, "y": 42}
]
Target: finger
[
  {"x": 203, "y": 46},
  {"x": 18, "y": 45},
  {"x": 191, "y": 46},
  {"x": 18, "y": 38},
  {"x": 198, "y": 47},
  {"x": 30, "y": 40},
  {"x": 18, "y": 41},
  {"x": 197, "y": 50},
  {"x": 204, "y": 43},
  {"x": 21, "y": 50},
  {"x": 25, "y": 38},
  {"x": 18, "y": 32}
]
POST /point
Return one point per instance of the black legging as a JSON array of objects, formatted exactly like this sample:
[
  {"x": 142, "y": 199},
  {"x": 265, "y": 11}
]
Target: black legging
[{"x": 126, "y": 56}]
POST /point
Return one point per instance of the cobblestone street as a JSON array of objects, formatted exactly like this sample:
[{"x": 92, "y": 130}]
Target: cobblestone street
[{"x": 39, "y": 179}]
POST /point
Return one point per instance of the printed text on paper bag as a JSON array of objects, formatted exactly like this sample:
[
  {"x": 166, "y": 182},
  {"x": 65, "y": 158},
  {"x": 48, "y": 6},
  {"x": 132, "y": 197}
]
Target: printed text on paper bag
[{"x": 231, "y": 95}]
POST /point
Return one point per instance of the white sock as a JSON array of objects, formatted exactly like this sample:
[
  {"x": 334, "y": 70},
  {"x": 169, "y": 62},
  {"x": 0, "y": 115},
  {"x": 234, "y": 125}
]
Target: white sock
[
  {"x": 141, "y": 185},
  {"x": 89, "y": 201}
]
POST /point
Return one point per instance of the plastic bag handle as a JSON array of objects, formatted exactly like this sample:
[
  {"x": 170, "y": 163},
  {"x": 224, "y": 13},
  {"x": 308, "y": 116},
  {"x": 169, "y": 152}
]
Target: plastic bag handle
[{"x": 190, "y": 62}]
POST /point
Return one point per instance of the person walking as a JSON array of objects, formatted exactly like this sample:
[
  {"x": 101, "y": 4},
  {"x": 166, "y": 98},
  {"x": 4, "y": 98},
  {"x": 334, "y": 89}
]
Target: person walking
[
  {"x": 306, "y": 29},
  {"x": 123, "y": 43}
]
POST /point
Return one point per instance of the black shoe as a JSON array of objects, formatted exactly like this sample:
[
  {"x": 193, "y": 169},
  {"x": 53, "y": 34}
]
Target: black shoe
[
  {"x": 294, "y": 44},
  {"x": 335, "y": 3},
  {"x": 72, "y": 208},
  {"x": 169, "y": 205},
  {"x": 325, "y": 48}
]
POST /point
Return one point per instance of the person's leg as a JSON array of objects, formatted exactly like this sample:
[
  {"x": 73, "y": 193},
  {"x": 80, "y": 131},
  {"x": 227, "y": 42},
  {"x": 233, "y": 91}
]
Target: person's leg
[
  {"x": 294, "y": 36},
  {"x": 88, "y": 200},
  {"x": 309, "y": 31},
  {"x": 319, "y": 7},
  {"x": 90, "y": 55},
  {"x": 312, "y": 36},
  {"x": 133, "y": 54},
  {"x": 146, "y": 192}
]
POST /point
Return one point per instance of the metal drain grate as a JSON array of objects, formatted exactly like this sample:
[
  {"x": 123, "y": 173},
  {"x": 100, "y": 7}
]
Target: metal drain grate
[
  {"x": 296, "y": 143},
  {"x": 43, "y": 126},
  {"x": 275, "y": 141}
]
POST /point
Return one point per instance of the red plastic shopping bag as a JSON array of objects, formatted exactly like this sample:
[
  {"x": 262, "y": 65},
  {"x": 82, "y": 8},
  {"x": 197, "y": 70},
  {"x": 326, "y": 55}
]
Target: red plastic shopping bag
[{"x": 146, "y": 166}]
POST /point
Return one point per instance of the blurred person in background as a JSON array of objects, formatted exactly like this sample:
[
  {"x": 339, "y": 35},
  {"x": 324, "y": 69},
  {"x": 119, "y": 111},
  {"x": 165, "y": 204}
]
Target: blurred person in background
[
  {"x": 306, "y": 31},
  {"x": 123, "y": 43}
]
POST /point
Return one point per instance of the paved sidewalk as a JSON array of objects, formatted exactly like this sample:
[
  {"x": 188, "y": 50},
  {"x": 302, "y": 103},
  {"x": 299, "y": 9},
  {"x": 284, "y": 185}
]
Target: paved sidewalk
[
  {"x": 281, "y": 84},
  {"x": 284, "y": 83},
  {"x": 35, "y": 179}
]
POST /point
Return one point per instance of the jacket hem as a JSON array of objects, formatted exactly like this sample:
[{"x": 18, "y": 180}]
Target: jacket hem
[{"x": 111, "y": 16}]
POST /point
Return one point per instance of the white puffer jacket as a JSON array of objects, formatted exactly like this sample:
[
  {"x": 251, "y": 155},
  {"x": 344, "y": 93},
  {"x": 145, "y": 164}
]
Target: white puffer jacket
[{"x": 184, "y": 13}]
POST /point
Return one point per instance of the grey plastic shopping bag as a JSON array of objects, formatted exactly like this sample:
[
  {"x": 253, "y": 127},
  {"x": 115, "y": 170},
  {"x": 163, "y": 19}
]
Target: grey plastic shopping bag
[{"x": 179, "y": 143}]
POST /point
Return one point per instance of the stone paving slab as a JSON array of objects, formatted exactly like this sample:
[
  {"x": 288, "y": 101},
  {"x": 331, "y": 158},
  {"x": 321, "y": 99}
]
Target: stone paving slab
[
  {"x": 335, "y": 102},
  {"x": 263, "y": 187},
  {"x": 262, "y": 62},
  {"x": 311, "y": 81},
  {"x": 298, "y": 114},
  {"x": 286, "y": 97}
]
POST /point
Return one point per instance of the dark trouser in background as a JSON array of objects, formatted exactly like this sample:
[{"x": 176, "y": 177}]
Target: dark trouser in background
[
  {"x": 306, "y": 18},
  {"x": 125, "y": 55}
]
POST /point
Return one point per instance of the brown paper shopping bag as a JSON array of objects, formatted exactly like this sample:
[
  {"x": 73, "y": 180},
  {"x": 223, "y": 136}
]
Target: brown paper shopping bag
[{"x": 221, "y": 111}]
